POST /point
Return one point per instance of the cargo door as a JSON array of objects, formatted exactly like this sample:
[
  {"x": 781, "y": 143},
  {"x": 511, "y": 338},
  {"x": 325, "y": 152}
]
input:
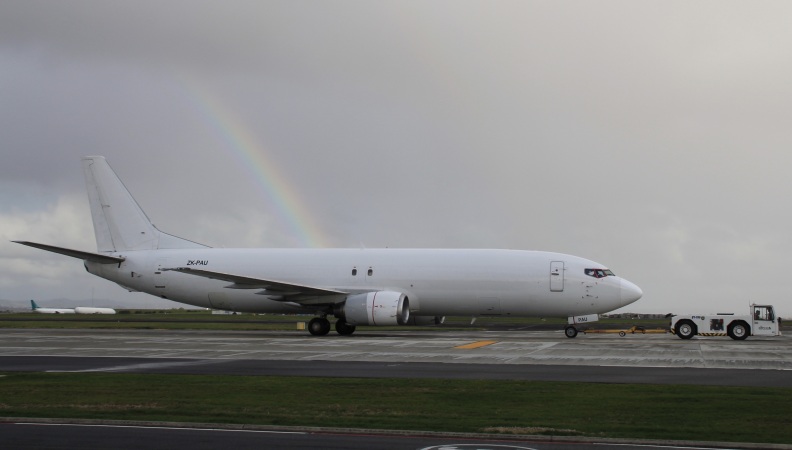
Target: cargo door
[
  {"x": 557, "y": 276},
  {"x": 159, "y": 275}
]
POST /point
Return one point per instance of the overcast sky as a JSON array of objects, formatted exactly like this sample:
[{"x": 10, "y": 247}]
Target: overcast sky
[{"x": 652, "y": 137}]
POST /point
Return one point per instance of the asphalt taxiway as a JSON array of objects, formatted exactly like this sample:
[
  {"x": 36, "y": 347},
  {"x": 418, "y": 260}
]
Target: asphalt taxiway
[
  {"x": 53, "y": 435},
  {"x": 521, "y": 355},
  {"x": 534, "y": 355}
]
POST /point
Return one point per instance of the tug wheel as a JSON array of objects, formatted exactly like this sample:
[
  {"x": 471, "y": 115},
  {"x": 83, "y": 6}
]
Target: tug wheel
[
  {"x": 738, "y": 331},
  {"x": 685, "y": 329}
]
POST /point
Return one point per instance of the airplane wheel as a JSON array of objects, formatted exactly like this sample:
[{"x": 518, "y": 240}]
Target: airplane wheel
[
  {"x": 344, "y": 329},
  {"x": 622, "y": 333},
  {"x": 319, "y": 326},
  {"x": 570, "y": 332},
  {"x": 685, "y": 329}
]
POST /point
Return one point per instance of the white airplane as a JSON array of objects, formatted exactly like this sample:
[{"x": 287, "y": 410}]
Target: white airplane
[
  {"x": 357, "y": 286},
  {"x": 37, "y": 309},
  {"x": 78, "y": 310},
  {"x": 92, "y": 310}
]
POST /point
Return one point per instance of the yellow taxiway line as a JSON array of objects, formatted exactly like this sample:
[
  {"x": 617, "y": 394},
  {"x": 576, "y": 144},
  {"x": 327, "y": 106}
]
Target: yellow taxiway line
[{"x": 476, "y": 344}]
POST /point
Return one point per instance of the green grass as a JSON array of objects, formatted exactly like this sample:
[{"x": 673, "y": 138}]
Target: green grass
[{"x": 736, "y": 414}]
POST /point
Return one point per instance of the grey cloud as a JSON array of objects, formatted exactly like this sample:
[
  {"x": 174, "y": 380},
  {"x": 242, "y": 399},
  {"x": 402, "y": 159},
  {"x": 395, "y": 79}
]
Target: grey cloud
[{"x": 651, "y": 136}]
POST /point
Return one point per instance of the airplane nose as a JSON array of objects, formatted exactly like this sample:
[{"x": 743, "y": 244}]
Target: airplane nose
[{"x": 630, "y": 292}]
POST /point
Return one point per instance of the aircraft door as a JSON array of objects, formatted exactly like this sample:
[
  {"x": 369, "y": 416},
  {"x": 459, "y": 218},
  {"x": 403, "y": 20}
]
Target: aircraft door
[
  {"x": 557, "y": 276},
  {"x": 159, "y": 274}
]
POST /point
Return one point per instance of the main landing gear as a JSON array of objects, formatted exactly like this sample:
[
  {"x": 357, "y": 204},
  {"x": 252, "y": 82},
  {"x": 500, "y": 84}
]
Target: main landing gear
[
  {"x": 320, "y": 326},
  {"x": 570, "y": 331}
]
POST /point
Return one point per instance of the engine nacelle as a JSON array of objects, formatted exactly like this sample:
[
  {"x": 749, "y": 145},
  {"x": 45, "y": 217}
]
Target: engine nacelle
[
  {"x": 375, "y": 308},
  {"x": 425, "y": 320}
]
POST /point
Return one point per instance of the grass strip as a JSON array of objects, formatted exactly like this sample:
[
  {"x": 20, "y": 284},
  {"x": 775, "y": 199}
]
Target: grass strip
[{"x": 735, "y": 414}]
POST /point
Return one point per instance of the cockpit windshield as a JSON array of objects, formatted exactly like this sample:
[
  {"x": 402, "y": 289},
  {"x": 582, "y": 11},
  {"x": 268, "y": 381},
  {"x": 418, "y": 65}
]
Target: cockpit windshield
[{"x": 599, "y": 273}]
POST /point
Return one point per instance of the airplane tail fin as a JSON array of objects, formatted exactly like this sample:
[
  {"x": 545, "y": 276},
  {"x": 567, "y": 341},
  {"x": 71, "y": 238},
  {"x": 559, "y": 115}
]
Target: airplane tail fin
[
  {"x": 33, "y": 305},
  {"x": 119, "y": 222}
]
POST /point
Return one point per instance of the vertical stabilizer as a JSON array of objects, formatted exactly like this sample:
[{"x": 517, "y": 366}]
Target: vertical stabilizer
[
  {"x": 119, "y": 222},
  {"x": 33, "y": 305}
]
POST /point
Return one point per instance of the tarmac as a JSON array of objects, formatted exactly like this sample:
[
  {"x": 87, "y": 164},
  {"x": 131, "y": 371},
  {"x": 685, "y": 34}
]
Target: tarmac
[
  {"x": 446, "y": 347},
  {"x": 500, "y": 354}
]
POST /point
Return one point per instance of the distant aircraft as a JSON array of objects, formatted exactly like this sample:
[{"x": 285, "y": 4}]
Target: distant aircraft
[
  {"x": 357, "y": 286},
  {"x": 36, "y": 308},
  {"x": 92, "y": 310},
  {"x": 77, "y": 310}
]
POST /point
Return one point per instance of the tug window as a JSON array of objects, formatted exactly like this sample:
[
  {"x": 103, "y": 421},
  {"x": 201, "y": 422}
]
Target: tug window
[
  {"x": 598, "y": 273},
  {"x": 763, "y": 313}
]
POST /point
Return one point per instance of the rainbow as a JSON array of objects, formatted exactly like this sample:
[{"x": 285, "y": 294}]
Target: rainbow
[{"x": 253, "y": 159}]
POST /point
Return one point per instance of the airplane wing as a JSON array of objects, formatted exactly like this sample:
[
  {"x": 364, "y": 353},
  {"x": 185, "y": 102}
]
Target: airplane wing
[
  {"x": 277, "y": 290},
  {"x": 79, "y": 254}
]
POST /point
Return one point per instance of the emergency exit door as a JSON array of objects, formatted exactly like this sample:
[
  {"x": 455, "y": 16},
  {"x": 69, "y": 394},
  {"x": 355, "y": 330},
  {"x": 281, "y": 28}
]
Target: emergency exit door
[{"x": 557, "y": 276}]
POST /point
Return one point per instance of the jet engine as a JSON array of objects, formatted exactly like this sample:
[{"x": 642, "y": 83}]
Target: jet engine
[{"x": 375, "y": 308}]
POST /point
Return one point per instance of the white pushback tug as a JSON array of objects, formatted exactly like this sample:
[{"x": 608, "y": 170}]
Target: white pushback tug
[{"x": 761, "y": 321}]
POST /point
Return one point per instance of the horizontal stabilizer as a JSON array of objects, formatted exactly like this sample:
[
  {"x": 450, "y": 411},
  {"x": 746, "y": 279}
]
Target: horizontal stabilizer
[
  {"x": 79, "y": 254},
  {"x": 276, "y": 287}
]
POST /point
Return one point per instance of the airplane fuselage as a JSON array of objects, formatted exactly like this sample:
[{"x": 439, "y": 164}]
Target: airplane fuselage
[
  {"x": 383, "y": 287},
  {"x": 438, "y": 282},
  {"x": 54, "y": 311}
]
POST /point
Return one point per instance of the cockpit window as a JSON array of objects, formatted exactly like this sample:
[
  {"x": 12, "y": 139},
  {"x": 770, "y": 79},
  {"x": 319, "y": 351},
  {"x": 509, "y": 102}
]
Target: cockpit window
[{"x": 599, "y": 273}]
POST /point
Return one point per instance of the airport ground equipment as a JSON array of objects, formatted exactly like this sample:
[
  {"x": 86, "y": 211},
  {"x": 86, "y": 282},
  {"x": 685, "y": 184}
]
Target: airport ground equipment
[
  {"x": 761, "y": 321},
  {"x": 571, "y": 330},
  {"x": 575, "y": 323},
  {"x": 635, "y": 329}
]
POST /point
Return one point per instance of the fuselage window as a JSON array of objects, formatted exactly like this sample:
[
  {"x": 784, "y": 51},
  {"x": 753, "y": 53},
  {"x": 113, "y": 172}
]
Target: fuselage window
[
  {"x": 354, "y": 272},
  {"x": 598, "y": 273}
]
